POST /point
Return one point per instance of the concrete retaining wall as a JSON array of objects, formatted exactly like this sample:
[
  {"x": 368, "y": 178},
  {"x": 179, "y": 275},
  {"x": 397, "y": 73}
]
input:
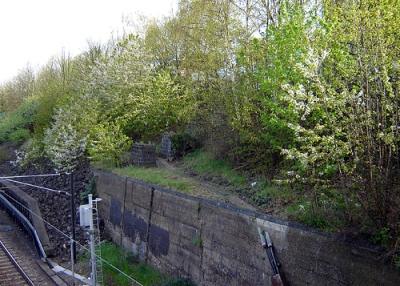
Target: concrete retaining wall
[{"x": 216, "y": 244}]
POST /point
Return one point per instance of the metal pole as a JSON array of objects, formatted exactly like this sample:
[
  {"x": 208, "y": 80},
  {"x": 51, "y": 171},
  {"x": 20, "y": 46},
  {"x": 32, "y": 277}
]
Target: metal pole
[
  {"x": 92, "y": 250},
  {"x": 72, "y": 263},
  {"x": 73, "y": 217}
]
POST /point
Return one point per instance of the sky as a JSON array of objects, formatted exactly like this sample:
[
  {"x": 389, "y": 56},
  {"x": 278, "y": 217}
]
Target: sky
[{"x": 32, "y": 31}]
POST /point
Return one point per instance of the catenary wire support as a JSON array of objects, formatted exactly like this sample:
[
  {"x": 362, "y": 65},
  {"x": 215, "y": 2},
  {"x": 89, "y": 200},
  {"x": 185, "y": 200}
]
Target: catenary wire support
[
  {"x": 71, "y": 184},
  {"x": 94, "y": 232}
]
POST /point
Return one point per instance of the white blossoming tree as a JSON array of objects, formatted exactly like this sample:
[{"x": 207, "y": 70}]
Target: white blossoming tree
[
  {"x": 347, "y": 135},
  {"x": 322, "y": 144},
  {"x": 64, "y": 144}
]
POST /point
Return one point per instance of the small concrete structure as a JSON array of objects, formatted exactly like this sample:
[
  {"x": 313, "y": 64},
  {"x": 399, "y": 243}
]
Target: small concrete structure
[
  {"x": 166, "y": 145},
  {"x": 143, "y": 154}
]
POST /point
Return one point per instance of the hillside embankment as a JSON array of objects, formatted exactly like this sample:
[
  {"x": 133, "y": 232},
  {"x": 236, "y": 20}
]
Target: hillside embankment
[{"x": 56, "y": 210}]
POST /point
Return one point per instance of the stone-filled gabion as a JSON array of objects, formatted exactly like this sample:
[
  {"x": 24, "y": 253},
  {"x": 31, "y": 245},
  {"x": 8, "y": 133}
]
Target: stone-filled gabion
[
  {"x": 166, "y": 145},
  {"x": 143, "y": 154}
]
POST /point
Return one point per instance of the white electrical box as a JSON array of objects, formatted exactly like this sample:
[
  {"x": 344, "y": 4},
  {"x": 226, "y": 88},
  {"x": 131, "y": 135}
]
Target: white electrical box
[{"x": 85, "y": 215}]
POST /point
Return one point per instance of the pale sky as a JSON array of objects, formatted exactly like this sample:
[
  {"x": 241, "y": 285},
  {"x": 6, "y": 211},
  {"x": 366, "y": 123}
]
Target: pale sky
[{"x": 32, "y": 31}]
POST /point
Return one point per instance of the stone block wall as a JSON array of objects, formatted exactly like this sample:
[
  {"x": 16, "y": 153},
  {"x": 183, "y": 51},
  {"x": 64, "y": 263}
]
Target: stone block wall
[
  {"x": 143, "y": 154},
  {"x": 166, "y": 145},
  {"x": 217, "y": 244}
]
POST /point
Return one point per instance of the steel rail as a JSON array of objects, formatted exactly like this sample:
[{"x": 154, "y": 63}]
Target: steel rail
[{"x": 15, "y": 263}]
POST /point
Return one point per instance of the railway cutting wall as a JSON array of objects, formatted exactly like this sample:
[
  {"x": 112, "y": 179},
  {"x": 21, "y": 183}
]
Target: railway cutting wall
[{"x": 212, "y": 243}]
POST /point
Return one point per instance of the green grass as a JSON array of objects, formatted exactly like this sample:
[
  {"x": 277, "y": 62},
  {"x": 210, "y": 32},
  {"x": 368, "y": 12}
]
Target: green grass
[
  {"x": 202, "y": 163},
  {"x": 159, "y": 177},
  {"x": 265, "y": 194},
  {"x": 116, "y": 256}
]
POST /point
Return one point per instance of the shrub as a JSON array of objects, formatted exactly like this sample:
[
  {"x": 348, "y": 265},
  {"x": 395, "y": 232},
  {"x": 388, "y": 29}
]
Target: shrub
[
  {"x": 19, "y": 135},
  {"x": 16, "y": 126}
]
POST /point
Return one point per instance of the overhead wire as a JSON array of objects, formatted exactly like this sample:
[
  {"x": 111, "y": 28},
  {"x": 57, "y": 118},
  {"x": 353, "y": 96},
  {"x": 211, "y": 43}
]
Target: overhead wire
[
  {"x": 10, "y": 179},
  {"x": 34, "y": 176},
  {"x": 40, "y": 187}
]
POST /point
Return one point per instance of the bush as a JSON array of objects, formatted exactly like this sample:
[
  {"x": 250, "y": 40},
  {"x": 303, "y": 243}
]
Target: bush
[
  {"x": 19, "y": 135},
  {"x": 183, "y": 143},
  {"x": 16, "y": 126}
]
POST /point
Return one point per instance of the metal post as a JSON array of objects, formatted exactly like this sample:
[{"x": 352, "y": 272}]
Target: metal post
[
  {"x": 92, "y": 250},
  {"x": 71, "y": 176},
  {"x": 72, "y": 263}
]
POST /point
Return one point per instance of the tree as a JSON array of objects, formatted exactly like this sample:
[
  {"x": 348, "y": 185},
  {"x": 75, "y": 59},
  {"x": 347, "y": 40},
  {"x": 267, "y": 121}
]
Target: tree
[
  {"x": 207, "y": 35},
  {"x": 118, "y": 74},
  {"x": 261, "y": 115},
  {"x": 122, "y": 99},
  {"x": 346, "y": 136},
  {"x": 54, "y": 86},
  {"x": 163, "y": 43},
  {"x": 63, "y": 144},
  {"x": 162, "y": 105},
  {"x": 14, "y": 92}
]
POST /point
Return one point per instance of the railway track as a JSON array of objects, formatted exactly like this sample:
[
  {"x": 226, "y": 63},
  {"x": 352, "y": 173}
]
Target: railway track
[
  {"x": 22, "y": 250},
  {"x": 11, "y": 272}
]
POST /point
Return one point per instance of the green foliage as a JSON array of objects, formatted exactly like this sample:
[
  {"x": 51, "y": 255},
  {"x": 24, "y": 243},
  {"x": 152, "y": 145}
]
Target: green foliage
[
  {"x": 160, "y": 105},
  {"x": 19, "y": 135},
  {"x": 203, "y": 163},
  {"x": 381, "y": 237},
  {"x": 198, "y": 241},
  {"x": 396, "y": 259},
  {"x": 64, "y": 144},
  {"x": 91, "y": 190},
  {"x": 117, "y": 257},
  {"x": 323, "y": 145},
  {"x": 267, "y": 194},
  {"x": 316, "y": 97},
  {"x": 14, "y": 92},
  {"x": 322, "y": 220},
  {"x": 117, "y": 75},
  {"x": 317, "y": 221},
  {"x": 107, "y": 142},
  {"x": 206, "y": 36},
  {"x": 183, "y": 143},
  {"x": 262, "y": 199},
  {"x": 29, "y": 153},
  {"x": 16, "y": 125},
  {"x": 326, "y": 209},
  {"x": 53, "y": 87},
  {"x": 283, "y": 48},
  {"x": 345, "y": 108}
]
